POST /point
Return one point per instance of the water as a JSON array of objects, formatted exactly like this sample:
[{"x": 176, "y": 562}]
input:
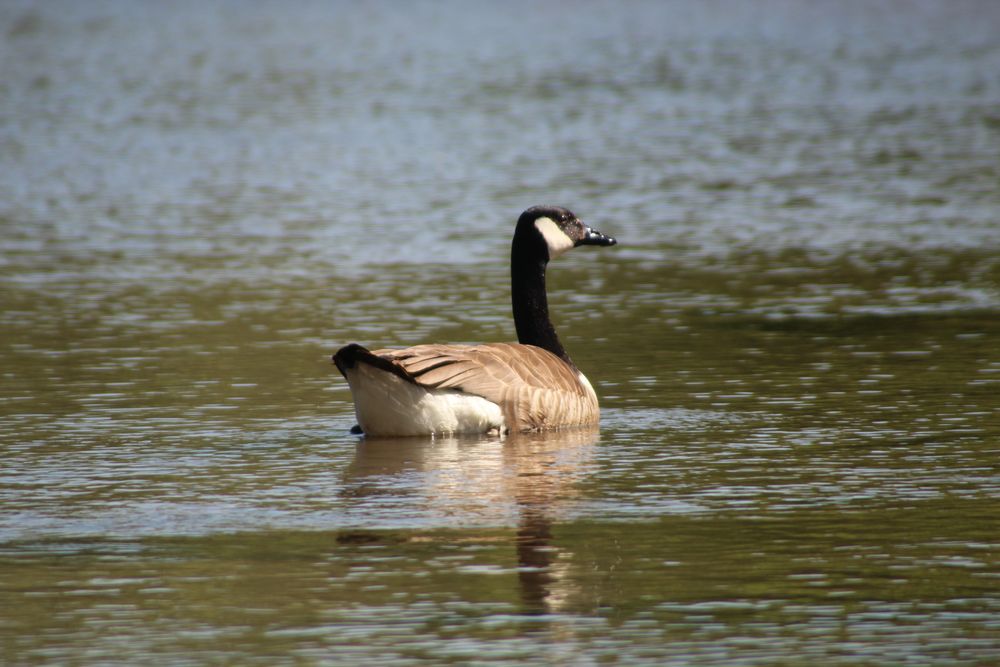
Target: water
[{"x": 795, "y": 344}]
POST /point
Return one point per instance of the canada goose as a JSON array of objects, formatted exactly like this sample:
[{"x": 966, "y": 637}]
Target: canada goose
[{"x": 493, "y": 388}]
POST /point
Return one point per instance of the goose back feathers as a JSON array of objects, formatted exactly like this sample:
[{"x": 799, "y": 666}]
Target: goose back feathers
[{"x": 531, "y": 389}]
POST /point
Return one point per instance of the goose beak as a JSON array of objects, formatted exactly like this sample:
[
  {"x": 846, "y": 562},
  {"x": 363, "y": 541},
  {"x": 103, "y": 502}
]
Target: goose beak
[{"x": 593, "y": 237}]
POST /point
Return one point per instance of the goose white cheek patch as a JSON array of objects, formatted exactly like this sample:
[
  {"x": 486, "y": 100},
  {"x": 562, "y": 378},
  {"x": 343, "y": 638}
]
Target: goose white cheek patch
[{"x": 555, "y": 238}]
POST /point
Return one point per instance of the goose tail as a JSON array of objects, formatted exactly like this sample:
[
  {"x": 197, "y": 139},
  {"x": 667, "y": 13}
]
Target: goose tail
[
  {"x": 348, "y": 357},
  {"x": 389, "y": 401}
]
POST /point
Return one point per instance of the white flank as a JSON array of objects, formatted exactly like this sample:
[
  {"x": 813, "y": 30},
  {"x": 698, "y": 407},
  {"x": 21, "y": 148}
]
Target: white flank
[
  {"x": 386, "y": 404},
  {"x": 586, "y": 383},
  {"x": 555, "y": 238}
]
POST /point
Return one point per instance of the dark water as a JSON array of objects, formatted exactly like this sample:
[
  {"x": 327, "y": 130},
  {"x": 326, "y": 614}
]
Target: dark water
[{"x": 796, "y": 345}]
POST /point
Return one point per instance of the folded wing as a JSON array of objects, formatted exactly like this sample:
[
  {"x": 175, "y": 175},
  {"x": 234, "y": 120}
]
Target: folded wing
[{"x": 534, "y": 388}]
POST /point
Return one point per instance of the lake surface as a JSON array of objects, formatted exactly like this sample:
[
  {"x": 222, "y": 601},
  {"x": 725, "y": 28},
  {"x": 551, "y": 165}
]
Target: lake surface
[{"x": 796, "y": 343}]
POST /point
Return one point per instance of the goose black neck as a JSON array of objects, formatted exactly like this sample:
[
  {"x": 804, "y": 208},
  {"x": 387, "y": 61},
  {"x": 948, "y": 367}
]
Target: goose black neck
[{"x": 528, "y": 259}]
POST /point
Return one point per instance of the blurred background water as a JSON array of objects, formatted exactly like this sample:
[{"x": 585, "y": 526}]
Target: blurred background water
[{"x": 795, "y": 344}]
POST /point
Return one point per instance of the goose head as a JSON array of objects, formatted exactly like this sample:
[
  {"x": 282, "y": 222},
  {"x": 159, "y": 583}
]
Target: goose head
[{"x": 555, "y": 230}]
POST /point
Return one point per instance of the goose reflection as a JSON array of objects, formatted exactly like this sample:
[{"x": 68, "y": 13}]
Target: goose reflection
[{"x": 526, "y": 480}]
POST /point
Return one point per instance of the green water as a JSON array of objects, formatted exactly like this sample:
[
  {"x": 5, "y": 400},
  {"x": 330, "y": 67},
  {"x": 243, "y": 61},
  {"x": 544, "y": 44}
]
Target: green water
[{"x": 796, "y": 343}]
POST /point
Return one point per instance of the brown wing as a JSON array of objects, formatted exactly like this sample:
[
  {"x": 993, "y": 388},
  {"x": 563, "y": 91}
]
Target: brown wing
[{"x": 534, "y": 388}]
